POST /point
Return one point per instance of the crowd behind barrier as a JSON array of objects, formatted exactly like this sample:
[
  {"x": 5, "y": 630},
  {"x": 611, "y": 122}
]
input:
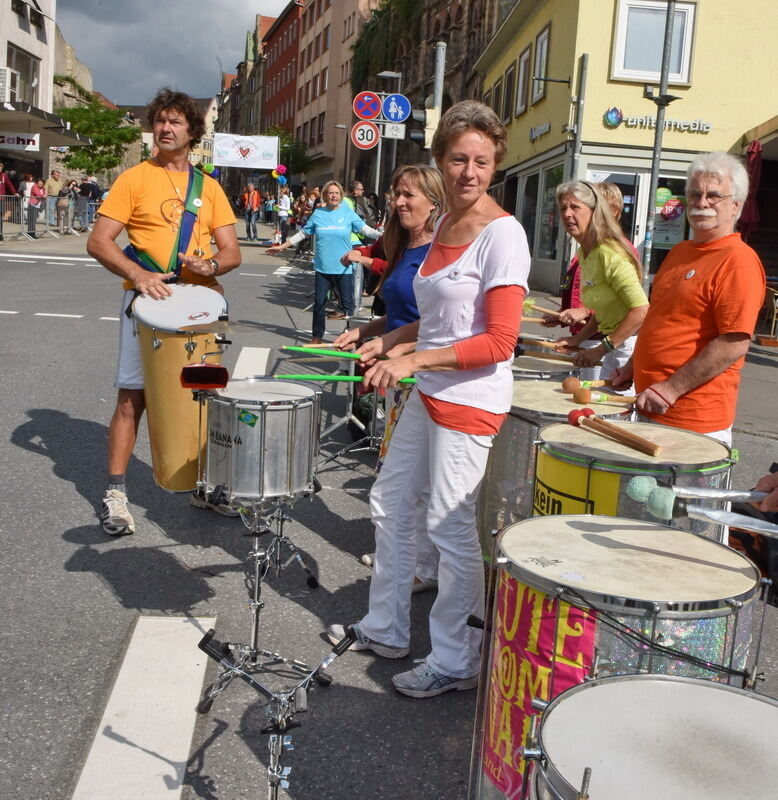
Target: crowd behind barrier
[{"x": 51, "y": 217}]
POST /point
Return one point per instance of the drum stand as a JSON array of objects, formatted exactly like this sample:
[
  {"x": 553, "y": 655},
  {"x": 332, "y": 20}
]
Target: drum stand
[
  {"x": 280, "y": 707},
  {"x": 250, "y": 656}
]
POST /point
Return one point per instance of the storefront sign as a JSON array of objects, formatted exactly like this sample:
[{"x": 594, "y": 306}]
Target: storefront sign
[
  {"x": 614, "y": 117},
  {"x": 539, "y": 130},
  {"x": 11, "y": 140}
]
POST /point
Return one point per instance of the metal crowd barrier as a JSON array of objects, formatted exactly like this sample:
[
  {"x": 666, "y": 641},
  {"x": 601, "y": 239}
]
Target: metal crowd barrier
[{"x": 19, "y": 219}]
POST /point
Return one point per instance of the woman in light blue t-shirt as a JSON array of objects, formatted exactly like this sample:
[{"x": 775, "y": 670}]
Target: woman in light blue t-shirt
[{"x": 332, "y": 226}]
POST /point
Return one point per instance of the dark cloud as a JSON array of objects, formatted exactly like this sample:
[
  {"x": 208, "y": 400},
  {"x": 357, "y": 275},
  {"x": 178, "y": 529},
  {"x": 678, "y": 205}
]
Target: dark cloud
[{"x": 135, "y": 46}]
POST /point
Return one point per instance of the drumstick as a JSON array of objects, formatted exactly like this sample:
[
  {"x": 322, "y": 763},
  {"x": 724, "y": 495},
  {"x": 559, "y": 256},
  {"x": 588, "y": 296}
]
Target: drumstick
[
  {"x": 335, "y": 378},
  {"x": 319, "y": 351},
  {"x": 588, "y": 396},
  {"x": 311, "y": 360},
  {"x": 586, "y": 418},
  {"x": 543, "y": 343},
  {"x": 570, "y": 384},
  {"x": 531, "y": 305}
]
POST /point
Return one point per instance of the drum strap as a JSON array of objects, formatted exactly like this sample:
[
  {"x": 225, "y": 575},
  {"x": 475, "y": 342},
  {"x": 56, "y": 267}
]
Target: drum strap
[{"x": 192, "y": 205}]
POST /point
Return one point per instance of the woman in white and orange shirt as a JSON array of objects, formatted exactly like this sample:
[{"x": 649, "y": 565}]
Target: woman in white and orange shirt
[{"x": 469, "y": 292}]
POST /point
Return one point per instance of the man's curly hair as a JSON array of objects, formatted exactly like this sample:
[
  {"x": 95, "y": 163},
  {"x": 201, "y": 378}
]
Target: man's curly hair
[{"x": 167, "y": 100}]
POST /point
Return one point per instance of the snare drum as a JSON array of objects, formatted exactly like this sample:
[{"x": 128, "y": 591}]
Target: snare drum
[
  {"x": 507, "y": 488},
  {"x": 581, "y": 472},
  {"x": 263, "y": 439},
  {"x": 586, "y": 596},
  {"x": 176, "y": 426},
  {"x": 658, "y": 738}
]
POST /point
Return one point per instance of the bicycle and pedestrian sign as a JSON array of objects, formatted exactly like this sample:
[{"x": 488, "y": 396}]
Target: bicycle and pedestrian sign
[{"x": 365, "y": 135}]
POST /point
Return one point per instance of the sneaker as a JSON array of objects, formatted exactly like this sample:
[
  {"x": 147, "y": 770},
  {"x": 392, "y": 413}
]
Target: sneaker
[
  {"x": 199, "y": 500},
  {"x": 423, "y": 585},
  {"x": 336, "y": 632},
  {"x": 336, "y": 315},
  {"x": 423, "y": 681},
  {"x": 114, "y": 514}
]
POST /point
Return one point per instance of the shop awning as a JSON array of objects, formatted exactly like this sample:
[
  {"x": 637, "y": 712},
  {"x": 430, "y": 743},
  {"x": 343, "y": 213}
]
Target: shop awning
[
  {"x": 767, "y": 135},
  {"x": 20, "y": 117}
]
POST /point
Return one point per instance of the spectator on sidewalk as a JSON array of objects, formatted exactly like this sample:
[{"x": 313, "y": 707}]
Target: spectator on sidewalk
[
  {"x": 65, "y": 199},
  {"x": 36, "y": 203},
  {"x": 251, "y": 202},
  {"x": 53, "y": 186},
  {"x": 7, "y": 190}
]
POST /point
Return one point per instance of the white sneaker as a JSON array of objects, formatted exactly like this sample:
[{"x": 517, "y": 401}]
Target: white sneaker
[
  {"x": 114, "y": 514},
  {"x": 423, "y": 681},
  {"x": 336, "y": 632}
]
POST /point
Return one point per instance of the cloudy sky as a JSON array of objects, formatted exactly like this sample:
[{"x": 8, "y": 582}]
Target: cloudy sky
[{"x": 133, "y": 47}]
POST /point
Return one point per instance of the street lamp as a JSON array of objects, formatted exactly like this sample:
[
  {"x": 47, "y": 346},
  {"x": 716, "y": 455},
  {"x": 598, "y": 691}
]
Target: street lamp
[{"x": 397, "y": 76}]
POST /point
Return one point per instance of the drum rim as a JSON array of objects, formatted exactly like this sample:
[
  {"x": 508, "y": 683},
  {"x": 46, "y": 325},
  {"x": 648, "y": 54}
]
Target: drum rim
[
  {"x": 666, "y": 468},
  {"x": 630, "y": 606},
  {"x": 291, "y": 402},
  {"x": 548, "y": 769}
]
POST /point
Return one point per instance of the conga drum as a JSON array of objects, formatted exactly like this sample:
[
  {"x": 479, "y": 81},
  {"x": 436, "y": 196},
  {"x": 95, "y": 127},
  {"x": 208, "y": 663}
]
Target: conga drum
[
  {"x": 507, "y": 489},
  {"x": 580, "y": 472},
  {"x": 167, "y": 343},
  {"x": 652, "y": 737},
  {"x": 585, "y": 597}
]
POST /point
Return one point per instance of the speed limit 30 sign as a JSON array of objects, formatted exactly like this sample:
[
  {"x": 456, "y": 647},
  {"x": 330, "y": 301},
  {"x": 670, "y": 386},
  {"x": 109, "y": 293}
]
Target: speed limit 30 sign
[{"x": 365, "y": 134}]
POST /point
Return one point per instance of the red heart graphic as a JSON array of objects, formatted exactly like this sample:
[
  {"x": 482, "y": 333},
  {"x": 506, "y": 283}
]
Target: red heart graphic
[{"x": 244, "y": 151}]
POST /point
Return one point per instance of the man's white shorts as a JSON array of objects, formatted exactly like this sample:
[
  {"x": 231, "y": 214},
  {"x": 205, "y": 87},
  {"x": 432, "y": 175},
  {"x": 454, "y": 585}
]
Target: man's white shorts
[{"x": 129, "y": 372}]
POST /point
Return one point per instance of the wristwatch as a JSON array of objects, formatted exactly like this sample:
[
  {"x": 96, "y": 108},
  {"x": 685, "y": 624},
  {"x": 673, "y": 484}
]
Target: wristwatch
[{"x": 214, "y": 265}]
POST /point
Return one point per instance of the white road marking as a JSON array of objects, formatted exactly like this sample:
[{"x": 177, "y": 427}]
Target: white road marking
[
  {"x": 21, "y": 260},
  {"x": 282, "y": 270},
  {"x": 67, "y": 316},
  {"x": 65, "y": 264},
  {"x": 9, "y": 312},
  {"x": 252, "y": 361},
  {"x": 143, "y": 741},
  {"x": 53, "y": 258},
  {"x": 111, "y": 319},
  {"x": 253, "y": 274}
]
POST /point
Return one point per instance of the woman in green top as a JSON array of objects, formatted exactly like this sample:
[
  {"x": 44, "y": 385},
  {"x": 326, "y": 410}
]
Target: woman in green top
[{"x": 610, "y": 278}]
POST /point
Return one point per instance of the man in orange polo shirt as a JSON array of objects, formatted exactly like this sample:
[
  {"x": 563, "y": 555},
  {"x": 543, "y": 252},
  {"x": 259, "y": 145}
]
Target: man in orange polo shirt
[
  {"x": 704, "y": 305},
  {"x": 148, "y": 202}
]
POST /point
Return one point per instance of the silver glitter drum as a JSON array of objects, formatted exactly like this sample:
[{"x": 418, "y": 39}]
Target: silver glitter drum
[
  {"x": 507, "y": 488},
  {"x": 651, "y": 737},
  {"x": 582, "y": 597},
  {"x": 263, "y": 438}
]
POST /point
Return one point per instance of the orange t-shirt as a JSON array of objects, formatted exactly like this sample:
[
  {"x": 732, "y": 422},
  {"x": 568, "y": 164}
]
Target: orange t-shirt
[
  {"x": 145, "y": 200},
  {"x": 700, "y": 292}
]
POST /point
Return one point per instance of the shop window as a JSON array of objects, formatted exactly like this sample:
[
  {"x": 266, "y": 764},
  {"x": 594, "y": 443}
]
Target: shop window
[
  {"x": 548, "y": 230},
  {"x": 529, "y": 208},
  {"x": 540, "y": 64},
  {"x": 509, "y": 84},
  {"x": 639, "y": 41},
  {"x": 522, "y": 81}
]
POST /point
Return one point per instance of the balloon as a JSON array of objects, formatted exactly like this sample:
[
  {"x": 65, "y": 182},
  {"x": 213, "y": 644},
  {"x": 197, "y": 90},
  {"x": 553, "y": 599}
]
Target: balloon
[
  {"x": 281, "y": 180},
  {"x": 215, "y": 172},
  {"x": 208, "y": 169},
  {"x": 275, "y": 174},
  {"x": 281, "y": 169}
]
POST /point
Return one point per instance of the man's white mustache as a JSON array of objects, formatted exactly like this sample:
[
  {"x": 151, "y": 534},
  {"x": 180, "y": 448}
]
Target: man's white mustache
[{"x": 701, "y": 212}]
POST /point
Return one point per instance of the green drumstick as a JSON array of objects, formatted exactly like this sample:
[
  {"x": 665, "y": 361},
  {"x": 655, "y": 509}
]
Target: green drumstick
[
  {"x": 335, "y": 378},
  {"x": 321, "y": 352}
]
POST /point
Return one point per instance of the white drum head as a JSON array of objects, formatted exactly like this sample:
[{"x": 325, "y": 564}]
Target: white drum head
[
  {"x": 548, "y": 400},
  {"x": 657, "y": 738},
  {"x": 188, "y": 305},
  {"x": 261, "y": 390},
  {"x": 603, "y": 558},
  {"x": 532, "y": 366},
  {"x": 678, "y": 446}
]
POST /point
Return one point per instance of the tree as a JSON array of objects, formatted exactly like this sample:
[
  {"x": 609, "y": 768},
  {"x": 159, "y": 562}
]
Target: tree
[
  {"x": 291, "y": 151},
  {"x": 107, "y": 129}
]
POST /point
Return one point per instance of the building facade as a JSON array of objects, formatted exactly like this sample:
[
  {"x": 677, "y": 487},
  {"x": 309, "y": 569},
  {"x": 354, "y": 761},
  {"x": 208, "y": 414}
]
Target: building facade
[
  {"x": 568, "y": 78},
  {"x": 281, "y": 48}
]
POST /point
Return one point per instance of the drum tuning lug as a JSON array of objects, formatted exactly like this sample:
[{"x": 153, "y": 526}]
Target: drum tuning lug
[
  {"x": 587, "y": 777},
  {"x": 190, "y": 346},
  {"x": 502, "y": 560},
  {"x": 736, "y": 604},
  {"x": 539, "y": 704},
  {"x": 531, "y": 753},
  {"x": 156, "y": 343}
]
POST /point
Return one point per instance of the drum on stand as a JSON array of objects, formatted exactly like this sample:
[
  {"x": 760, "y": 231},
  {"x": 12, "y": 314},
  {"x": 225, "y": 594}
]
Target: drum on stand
[
  {"x": 581, "y": 597},
  {"x": 263, "y": 439},
  {"x": 652, "y": 737},
  {"x": 581, "y": 472},
  {"x": 507, "y": 488},
  {"x": 176, "y": 425}
]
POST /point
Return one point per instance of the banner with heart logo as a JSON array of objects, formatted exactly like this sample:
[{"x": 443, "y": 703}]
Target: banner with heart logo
[{"x": 255, "y": 152}]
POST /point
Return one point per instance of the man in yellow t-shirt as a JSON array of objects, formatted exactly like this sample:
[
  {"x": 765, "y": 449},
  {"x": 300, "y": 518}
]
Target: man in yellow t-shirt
[{"x": 148, "y": 202}]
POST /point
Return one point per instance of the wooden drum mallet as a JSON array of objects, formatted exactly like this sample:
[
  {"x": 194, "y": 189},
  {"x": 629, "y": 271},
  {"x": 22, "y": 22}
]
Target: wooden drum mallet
[{"x": 586, "y": 418}]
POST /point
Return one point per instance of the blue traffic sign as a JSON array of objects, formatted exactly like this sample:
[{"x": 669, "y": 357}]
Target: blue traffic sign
[
  {"x": 396, "y": 107},
  {"x": 367, "y": 105}
]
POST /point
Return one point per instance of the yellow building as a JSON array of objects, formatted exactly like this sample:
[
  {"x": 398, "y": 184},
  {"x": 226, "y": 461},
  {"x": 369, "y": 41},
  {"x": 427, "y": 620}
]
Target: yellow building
[{"x": 588, "y": 118}]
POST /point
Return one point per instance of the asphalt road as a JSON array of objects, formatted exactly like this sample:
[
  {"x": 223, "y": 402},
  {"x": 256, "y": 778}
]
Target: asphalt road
[{"x": 71, "y": 594}]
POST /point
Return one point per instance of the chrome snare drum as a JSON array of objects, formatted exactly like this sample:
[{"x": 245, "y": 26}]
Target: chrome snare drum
[
  {"x": 657, "y": 738},
  {"x": 263, "y": 439}
]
